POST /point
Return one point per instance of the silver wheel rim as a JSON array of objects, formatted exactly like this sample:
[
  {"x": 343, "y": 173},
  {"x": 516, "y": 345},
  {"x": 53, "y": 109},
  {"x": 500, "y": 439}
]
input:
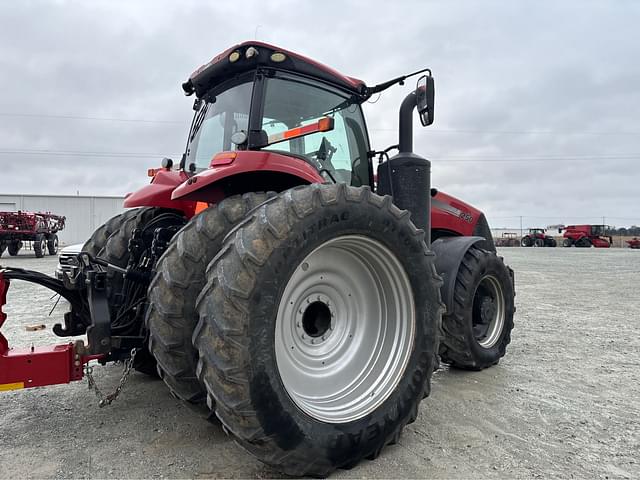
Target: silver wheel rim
[
  {"x": 488, "y": 311},
  {"x": 344, "y": 329}
]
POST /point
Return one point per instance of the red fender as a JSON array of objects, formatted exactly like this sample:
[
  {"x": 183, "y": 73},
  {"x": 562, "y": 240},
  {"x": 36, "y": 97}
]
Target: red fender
[
  {"x": 206, "y": 185},
  {"x": 158, "y": 193}
]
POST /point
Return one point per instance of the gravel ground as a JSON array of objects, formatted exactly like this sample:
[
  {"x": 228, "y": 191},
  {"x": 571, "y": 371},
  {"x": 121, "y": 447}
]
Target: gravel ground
[{"x": 565, "y": 401}]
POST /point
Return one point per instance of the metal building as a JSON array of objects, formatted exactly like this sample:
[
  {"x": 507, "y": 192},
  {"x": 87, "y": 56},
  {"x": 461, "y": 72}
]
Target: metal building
[{"x": 84, "y": 214}]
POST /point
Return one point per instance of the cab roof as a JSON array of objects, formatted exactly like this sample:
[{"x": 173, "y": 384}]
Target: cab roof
[{"x": 252, "y": 55}]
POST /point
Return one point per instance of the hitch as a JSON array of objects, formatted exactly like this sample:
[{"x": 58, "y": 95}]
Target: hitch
[{"x": 38, "y": 366}]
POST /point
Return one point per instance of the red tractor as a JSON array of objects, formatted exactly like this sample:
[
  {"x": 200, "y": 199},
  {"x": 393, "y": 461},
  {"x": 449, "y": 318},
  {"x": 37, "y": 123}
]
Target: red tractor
[
  {"x": 39, "y": 228},
  {"x": 586, "y": 236},
  {"x": 270, "y": 276},
  {"x": 537, "y": 237}
]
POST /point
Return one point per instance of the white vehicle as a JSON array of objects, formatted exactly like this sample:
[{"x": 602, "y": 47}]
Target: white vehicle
[{"x": 66, "y": 259}]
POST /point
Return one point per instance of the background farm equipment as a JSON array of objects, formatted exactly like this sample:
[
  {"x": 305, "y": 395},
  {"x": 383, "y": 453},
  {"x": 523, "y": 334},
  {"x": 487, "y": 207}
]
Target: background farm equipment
[
  {"x": 508, "y": 239},
  {"x": 634, "y": 243},
  {"x": 586, "y": 236},
  {"x": 271, "y": 277},
  {"x": 39, "y": 228},
  {"x": 537, "y": 237}
]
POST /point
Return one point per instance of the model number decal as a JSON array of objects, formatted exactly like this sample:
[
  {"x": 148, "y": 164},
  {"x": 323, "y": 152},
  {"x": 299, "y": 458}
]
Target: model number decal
[{"x": 467, "y": 217}]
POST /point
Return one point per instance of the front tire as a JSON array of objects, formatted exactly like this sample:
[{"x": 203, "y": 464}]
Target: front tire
[
  {"x": 289, "y": 276},
  {"x": 478, "y": 330},
  {"x": 567, "y": 242},
  {"x": 526, "y": 241},
  {"x": 171, "y": 316},
  {"x": 99, "y": 238}
]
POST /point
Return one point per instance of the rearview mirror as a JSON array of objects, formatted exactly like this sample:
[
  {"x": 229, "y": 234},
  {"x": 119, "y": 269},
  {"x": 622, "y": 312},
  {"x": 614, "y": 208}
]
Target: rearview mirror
[{"x": 425, "y": 99}]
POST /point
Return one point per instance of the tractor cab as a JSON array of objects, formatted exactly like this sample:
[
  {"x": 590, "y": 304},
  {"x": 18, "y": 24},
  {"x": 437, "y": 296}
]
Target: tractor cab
[
  {"x": 258, "y": 97},
  {"x": 269, "y": 109}
]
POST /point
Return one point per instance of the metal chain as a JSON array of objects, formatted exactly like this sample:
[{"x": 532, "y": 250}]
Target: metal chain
[{"x": 105, "y": 400}]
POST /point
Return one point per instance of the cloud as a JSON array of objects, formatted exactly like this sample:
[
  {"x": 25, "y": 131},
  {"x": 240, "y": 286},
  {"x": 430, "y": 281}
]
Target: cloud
[{"x": 536, "y": 102}]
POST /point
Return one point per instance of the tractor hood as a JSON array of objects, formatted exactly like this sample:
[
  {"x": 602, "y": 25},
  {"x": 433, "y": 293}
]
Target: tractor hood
[{"x": 252, "y": 55}]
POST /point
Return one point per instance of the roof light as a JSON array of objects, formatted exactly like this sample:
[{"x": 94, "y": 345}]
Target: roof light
[
  {"x": 251, "y": 52},
  {"x": 234, "y": 57},
  {"x": 278, "y": 57}
]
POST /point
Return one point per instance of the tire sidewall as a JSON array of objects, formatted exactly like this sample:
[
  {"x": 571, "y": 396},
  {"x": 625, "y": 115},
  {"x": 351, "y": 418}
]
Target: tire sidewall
[
  {"x": 490, "y": 264},
  {"x": 52, "y": 245},
  {"x": 278, "y": 414}
]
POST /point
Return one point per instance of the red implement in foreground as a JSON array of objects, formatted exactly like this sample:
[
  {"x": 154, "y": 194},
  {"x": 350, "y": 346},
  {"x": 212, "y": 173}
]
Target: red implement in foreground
[
  {"x": 634, "y": 243},
  {"x": 37, "y": 366}
]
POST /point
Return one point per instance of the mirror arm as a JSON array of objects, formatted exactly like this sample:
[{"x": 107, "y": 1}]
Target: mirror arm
[{"x": 383, "y": 86}]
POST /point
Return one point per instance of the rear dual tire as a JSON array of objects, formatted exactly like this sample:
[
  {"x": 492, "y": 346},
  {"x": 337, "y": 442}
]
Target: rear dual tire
[
  {"x": 171, "y": 317},
  {"x": 261, "y": 287}
]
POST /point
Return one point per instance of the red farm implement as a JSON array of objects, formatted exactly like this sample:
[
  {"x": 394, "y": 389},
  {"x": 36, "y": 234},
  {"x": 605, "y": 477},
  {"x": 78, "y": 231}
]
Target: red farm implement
[
  {"x": 41, "y": 229},
  {"x": 508, "y": 239},
  {"x": 634, "y": 243},
  {"x": 269, "y": 275}
]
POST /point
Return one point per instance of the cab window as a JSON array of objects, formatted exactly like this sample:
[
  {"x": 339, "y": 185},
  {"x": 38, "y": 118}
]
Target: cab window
[{"x": 340, "y": 155}]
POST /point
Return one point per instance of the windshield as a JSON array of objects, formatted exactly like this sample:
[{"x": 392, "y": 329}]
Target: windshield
[
  {"x": 219, "y": 117},
  {"x": 340, "y": 154}
]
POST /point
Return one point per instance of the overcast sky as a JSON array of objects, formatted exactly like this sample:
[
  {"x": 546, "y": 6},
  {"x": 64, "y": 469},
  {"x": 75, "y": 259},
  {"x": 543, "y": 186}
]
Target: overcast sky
[{"x": 537, "y": 102}]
